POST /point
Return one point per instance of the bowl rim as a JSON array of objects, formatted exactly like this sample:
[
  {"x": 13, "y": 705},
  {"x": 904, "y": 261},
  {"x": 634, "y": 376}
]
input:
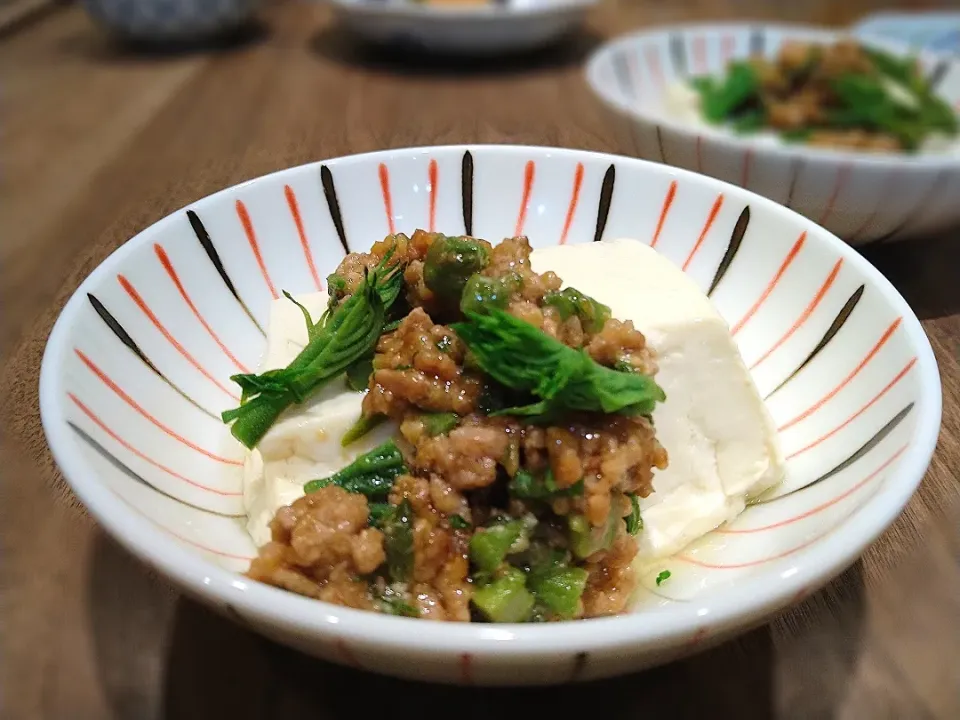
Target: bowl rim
[
  {"x": 429, "y": 11},
  {"x": 724, "y": 610},
  {"x": 785, "y": 151}
]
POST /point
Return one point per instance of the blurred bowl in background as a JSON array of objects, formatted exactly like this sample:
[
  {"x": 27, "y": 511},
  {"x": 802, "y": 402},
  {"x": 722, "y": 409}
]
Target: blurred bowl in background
[
  {"x": 862, "y": 197},
  {"x": 462, "y": 27},
  {"x": 171, "y": 20}
]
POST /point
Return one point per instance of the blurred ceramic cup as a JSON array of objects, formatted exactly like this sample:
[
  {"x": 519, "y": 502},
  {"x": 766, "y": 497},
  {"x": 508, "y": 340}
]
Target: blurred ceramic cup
[{"x": 171, "y": 20}]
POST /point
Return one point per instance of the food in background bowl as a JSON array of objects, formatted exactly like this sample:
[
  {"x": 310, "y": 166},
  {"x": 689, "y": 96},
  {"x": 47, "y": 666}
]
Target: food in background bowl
[
  {"x": 461, "y": 435},
  {"x": 840, "y": 95}
]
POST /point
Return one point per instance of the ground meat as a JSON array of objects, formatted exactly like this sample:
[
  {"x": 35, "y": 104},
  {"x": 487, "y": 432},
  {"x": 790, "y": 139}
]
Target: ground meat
[
  {"x": 510, "y": 255},
  {"x": 611, "y": 579},
  {"x": 418, "y": 365},
  {"x": 410, "y": 251},
  {"x": 345, "y": 588},
  {"x": 447, "y": 500},
  {"x": 843, "y": 56},
  {"x": 460, "y": 473},
  {"x": 528, "y": 312},
  {"x": 428, "y": 602},
  {"x": 434, "y": 542},
  {"x": 613, "y": 454},
  {"x": 351, "y": 271},
  {"x": 622, "y": 342},
  {"x": 414, "y": 251},
  {"x": 453, "y": 586},
  {"x": 571, "y": 332},
  {"x": 803, "y": 108},
  {"x": 328, "y": 527},
  {"x": 320, "y": 544},
  {"x": 415, "y": 490},
  {"x": 563, "y": 449},
  {"x": 467, "y": 457},
  {"x": 441, "y": 588}
]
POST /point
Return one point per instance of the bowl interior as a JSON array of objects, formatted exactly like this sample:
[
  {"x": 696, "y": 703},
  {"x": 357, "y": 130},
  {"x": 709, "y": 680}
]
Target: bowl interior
[
  {"x": 858, "y": 196},
  {"x": 137, "y": 369}
]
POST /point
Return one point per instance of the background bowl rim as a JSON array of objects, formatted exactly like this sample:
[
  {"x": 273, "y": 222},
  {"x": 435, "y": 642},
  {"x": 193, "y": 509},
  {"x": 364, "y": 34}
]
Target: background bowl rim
[
  {"x": 725, "y": 610},
  {"x": 792, "y": 152},
  {"x": 453, "y": 13}
]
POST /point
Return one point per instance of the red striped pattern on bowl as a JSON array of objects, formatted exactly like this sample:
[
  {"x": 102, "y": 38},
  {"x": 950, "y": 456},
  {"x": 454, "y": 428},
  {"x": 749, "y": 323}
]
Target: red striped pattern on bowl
[{"x": 138, "y": 368}]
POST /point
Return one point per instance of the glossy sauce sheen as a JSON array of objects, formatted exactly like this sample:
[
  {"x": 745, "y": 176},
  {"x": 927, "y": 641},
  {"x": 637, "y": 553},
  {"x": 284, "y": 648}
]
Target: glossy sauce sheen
[{"x": 721, "y": 441}]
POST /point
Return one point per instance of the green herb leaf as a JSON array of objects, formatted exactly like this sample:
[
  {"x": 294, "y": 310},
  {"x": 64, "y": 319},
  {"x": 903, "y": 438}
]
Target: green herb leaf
[
  {"x": 458, "y": 523},
  {"x": 482, "y": 293},
  {"x": 359, "y": 372},
  {"x": 524, "y": 358},
  {"x": 271, "y": 381},
  {"x": 527, "y": 486},
  {"x": 449, "y": 263},
  {"x": 705, "y": 84},
  {"x": 505, "y": 599},
  {"x": 363, "y": 425},
  {"x": 901, "y": 69},
  {"x": 490, "y": 545},
  {"x": 570, "y": 301},
  {"x": 866, "y": 102},
  {"x": 372, "y": 474},
  {"x": 346, "y": 334},
  {"x": 336, "y": 290},
  {"x": 749, "y": 121},
  {"x": 378, "y": 511},
  {"x": 585, "y": 540},
  {"x": 633, "y": 520},
  {"x": 392, "y": 603},
  {"x": 559, "y": 589},
  {"x": 664, "y": 575},
  {"x": 398, "y": 541},
  {"x": 311, "y": 325},
  {"x": 797, "y": 135},
  {"x": 721, "y": 98},
  {"x": 439, "y": 423}
]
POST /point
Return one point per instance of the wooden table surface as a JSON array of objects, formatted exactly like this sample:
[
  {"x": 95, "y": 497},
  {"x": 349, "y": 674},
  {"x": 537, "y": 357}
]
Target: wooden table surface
[{"x": 100, "y": 141}]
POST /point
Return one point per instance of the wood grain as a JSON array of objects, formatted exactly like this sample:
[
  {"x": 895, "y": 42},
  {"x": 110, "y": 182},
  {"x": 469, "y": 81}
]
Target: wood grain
[{"x": 100, "y": 141}]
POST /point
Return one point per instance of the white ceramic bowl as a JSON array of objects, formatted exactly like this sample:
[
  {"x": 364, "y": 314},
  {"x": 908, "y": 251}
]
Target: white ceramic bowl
[
  {"x": 481, "y": 28},
  {"x": 137, "y": 368},
  {"x": 860, "y": 197}
]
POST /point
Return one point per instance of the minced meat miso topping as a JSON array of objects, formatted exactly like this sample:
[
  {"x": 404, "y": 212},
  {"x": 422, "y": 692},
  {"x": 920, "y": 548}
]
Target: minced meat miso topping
[{"x": 510, "y": 491}]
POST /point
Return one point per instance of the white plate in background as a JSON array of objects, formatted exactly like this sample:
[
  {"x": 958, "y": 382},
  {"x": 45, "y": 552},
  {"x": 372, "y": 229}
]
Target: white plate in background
[{"x": 462, "y": 28}]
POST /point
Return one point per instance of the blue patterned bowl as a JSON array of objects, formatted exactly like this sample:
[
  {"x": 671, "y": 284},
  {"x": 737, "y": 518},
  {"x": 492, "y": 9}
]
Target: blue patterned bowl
[{"x": 171, "y": 20}]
